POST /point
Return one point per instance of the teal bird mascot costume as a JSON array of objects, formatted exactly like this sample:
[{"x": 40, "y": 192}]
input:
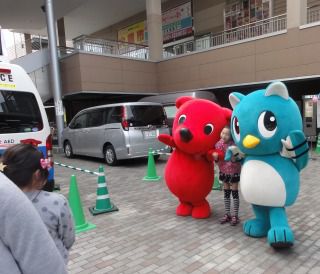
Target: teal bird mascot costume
[{"x": 266, "y": 126}]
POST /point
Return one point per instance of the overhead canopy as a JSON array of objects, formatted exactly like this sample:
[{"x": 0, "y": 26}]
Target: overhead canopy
[{"x": 80, "y": 16}]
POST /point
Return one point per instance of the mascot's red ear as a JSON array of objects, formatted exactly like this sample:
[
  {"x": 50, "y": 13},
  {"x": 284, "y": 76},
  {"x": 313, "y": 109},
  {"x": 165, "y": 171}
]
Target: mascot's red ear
[
  {"x": 227, "y": 113},
  {"x": 181, "y": 100}
]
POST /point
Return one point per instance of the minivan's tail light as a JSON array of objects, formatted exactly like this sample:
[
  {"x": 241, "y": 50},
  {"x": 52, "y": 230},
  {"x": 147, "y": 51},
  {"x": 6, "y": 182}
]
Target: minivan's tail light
[
  {"x": 124, "y": 121},
  {"x": 49, "y": 149}
]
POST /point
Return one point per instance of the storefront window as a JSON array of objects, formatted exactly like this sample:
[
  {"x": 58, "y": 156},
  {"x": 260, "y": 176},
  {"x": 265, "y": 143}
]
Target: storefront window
[{"x": 246, "y": 11}]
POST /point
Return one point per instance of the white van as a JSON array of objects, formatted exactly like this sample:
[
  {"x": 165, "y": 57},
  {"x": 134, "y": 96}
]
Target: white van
[{"x": 22, "y": 116}]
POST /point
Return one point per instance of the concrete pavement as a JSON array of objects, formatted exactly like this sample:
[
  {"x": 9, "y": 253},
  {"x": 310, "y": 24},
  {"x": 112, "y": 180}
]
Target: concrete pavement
[{"x": 145, "y": 235}]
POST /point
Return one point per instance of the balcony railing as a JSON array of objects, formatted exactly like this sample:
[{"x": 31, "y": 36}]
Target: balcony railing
[
  {"x": 242, "y": 33},
  {"x": 107, "y": 47},
  {"x": 313, "y": 14},
  {"x": 259, "y": 28}
]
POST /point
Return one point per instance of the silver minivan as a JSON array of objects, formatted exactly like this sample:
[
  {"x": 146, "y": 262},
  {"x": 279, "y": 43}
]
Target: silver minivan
[{"x": 117, "y": 131}]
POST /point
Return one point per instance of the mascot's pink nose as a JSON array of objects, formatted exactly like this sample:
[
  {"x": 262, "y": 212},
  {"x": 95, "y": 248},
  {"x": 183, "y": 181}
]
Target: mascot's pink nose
[{"x": 185, "y": 135}]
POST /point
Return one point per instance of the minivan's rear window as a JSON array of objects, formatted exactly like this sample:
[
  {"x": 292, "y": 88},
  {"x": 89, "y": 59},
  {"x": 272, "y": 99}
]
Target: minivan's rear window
[
  {"x": 19, "y": 112},
  {"x": 146, "y": 115}
]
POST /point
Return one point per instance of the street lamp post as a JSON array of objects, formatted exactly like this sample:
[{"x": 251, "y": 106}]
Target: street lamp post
[{"x": 55, "y": 72}]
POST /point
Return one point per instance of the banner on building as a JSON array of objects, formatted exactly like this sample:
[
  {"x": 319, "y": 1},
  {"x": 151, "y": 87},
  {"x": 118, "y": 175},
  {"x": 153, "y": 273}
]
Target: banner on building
[
  {"x": 243, "y": 12},
  {"x": 177, "y": 23},
  {"x": 134, "y": 34}
]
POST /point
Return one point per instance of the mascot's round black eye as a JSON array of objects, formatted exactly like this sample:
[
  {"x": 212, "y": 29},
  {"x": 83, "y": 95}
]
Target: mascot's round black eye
[
  {"x": 182, "y": 118},
  {"x": 236, "y": 128},
  {"x": 267, "y": 124},
  {"x": 270, "y": 121},
  {"x": 208, "y": 129}
]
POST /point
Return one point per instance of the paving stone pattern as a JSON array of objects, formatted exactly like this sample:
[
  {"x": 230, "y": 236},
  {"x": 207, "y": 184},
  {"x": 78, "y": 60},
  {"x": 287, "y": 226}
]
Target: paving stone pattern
[{"x": 145, "y": 235}]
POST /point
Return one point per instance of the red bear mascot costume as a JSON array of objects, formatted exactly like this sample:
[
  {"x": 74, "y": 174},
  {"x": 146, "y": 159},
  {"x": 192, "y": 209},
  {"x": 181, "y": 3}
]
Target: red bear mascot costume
[{"x": 189, "y": 173}]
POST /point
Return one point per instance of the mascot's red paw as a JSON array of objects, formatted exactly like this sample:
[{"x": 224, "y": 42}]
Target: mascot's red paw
[
  {"x": 189, "y": 172},
  {"x": 184, "y": 209},
  {"x": 201, "y": 211}
]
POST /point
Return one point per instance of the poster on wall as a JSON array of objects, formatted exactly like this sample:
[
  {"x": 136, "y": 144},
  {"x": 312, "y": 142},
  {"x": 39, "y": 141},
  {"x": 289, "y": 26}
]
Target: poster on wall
[
  {"x": 243, "y": 12},
  {"x": 233, "y": 16},
  {"x": 134, "y": 34},
  {"x": 259, "y": 9},
  {"x": 252, "y": 11},
  {"x": 266, "y": 8},
  {"x": 177, "y": 23}
]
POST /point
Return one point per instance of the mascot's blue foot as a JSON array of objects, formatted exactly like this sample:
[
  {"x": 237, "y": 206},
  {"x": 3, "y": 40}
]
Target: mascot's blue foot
[
  {"x": 255, "y": 228},
  {"x": 280, "y": 237}
]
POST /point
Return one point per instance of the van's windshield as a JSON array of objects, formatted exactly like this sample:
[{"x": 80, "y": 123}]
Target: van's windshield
[
  {"x": 19, "y": 112},
  {"x": 146, "y": 115}
]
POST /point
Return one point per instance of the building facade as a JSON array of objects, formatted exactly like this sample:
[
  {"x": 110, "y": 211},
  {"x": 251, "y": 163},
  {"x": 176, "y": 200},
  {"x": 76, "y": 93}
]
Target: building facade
[{"x": 178, "y": 45}]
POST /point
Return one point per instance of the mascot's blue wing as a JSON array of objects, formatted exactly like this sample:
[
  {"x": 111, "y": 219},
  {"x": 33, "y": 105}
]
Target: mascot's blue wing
[{"x": 300, "y": 148}]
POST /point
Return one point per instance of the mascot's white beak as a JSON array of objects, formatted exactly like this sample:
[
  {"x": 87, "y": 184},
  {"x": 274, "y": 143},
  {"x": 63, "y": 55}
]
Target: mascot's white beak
[{"x": 250, "y": 141}]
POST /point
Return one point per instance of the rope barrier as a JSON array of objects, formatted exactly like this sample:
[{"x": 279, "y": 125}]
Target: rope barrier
[
  {"x": 154, "y": 152},
  {"x": 159, "y": 152},
  {"x": 78, "y": 169}
]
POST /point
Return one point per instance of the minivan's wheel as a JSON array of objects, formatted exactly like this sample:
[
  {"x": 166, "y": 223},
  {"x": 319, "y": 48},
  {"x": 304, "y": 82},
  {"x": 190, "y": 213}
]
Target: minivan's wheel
[
  {"x": 110, "y": 156},
  {"x": 68, "y": 150},
  {"x": 156, "y": 157}
]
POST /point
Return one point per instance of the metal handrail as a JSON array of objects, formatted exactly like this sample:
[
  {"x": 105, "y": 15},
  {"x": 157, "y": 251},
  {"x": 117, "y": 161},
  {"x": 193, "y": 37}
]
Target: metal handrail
[
  {"x": 107, "y": 47},
  {"x": 140, "y": 51},
  {"x": 274, "y": 18},
  {"x": 258, "y": 28},
  {"x": 241, "y": 33}
]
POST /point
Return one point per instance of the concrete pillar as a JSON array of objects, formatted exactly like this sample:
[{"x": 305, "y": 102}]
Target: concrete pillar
[
  {"x": 296, "y": 13},
  {"x": 61, "y": 32},
  {"x": 27, "y": 40},
  {"x": 154, "y": 25}
]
